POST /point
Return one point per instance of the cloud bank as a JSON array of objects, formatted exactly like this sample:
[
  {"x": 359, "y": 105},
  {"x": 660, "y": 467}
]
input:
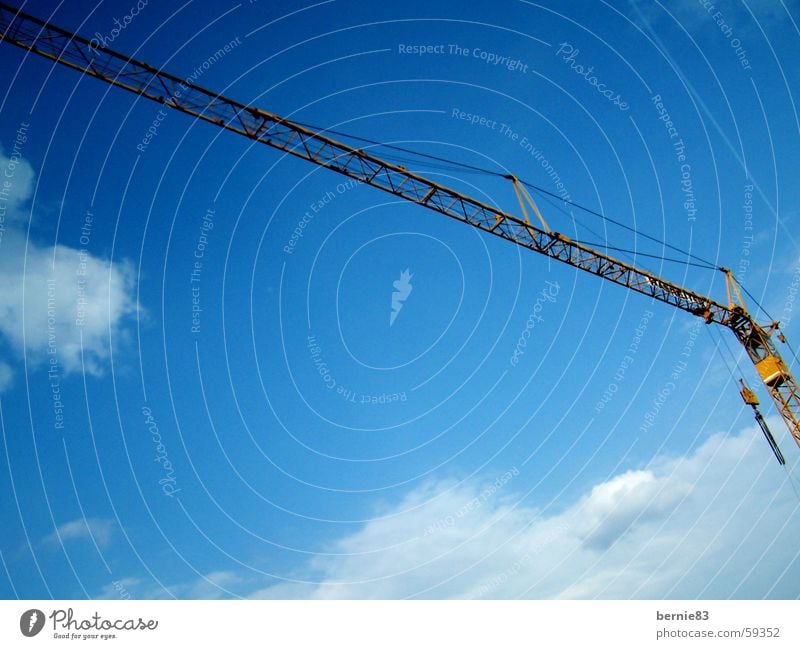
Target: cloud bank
[
  {"x": 99, "y": 530},
  {"x": 58, "y": 303},
  {"x": 717, "y": 523},
  {"x": 720, "y": 522}
]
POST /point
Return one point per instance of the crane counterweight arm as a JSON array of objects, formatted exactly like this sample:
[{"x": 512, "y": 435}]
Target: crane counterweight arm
[{"x": 74, "y": 51}]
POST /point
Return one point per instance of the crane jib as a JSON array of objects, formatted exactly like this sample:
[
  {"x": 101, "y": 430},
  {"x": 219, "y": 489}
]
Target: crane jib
[{"x": 72, "y": 50}]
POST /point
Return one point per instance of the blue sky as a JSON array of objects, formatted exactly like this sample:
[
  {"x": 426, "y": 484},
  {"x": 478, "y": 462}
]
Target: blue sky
[{"x": 290, "y": 437}]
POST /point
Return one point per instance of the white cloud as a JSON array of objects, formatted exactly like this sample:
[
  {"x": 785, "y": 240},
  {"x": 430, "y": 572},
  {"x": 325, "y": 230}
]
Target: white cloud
[
  {"x": 214, "y": 585},
  {"x": 57, "y": 302},
  {"x": 125, "y": 588},
  {"x": 62, "y": 300},
  {"x": 99, "y": 529},
  {"x": 6, "y": 376},
  {"x": 720, "y": 522},
  {"x": 20, "y": 175}
]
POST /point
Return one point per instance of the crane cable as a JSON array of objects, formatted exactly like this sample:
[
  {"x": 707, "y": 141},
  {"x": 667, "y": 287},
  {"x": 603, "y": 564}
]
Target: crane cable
[
  {"x": 766, "y": 313},
  {"x": 790, "y": 474},
  {"x": 541, "y": 190},
  {"x": 626, "y": 251},
  {"x": 449, "y": 164},
  {"x": 721, "y": 355},
  {"x": 453, "y": 164},
  {"x": 789, "y": 468},
  {"x": 394, "y": 147}
]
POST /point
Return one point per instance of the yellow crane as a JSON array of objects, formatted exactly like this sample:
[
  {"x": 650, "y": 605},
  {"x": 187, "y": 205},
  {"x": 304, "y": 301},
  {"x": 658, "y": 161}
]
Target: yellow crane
[{"x": 72, "y": 50}]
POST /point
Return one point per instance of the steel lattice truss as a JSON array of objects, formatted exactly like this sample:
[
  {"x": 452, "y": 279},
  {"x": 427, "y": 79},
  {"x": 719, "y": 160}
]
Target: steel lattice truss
[{"x": 72, "y": 50}]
